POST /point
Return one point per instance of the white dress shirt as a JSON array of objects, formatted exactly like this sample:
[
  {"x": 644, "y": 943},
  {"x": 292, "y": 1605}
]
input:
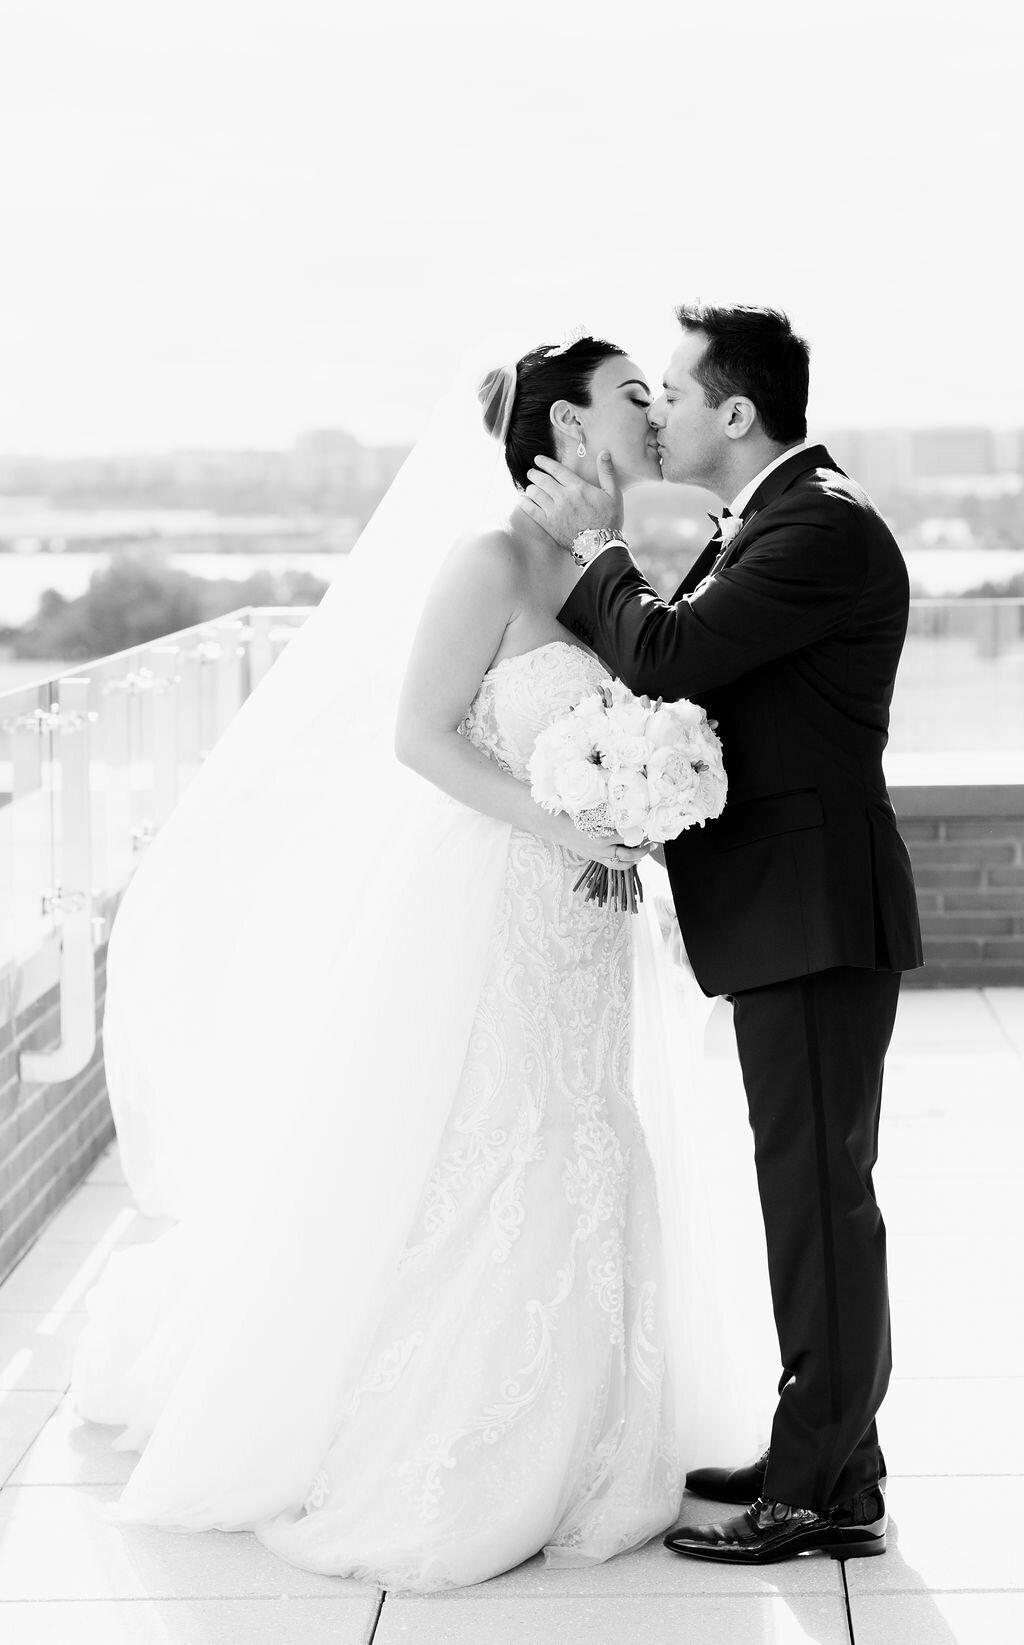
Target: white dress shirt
[{"x": 743, "y": 497}]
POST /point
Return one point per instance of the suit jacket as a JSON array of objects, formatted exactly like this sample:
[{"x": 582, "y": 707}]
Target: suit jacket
[{"x": 791, "y": 642}]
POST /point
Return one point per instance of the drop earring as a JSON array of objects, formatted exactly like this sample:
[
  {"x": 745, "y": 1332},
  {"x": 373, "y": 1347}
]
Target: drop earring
[{"x": 581, "y": 450}]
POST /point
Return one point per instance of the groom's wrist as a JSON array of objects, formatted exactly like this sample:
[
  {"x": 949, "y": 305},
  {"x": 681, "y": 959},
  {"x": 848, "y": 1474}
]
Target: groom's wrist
[{"x": 587, "y": 545}]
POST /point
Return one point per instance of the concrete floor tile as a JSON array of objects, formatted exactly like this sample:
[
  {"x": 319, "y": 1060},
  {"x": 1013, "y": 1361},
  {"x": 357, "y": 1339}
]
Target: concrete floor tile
[
  {"x": 954, "y": 1425},
  {"x": 104, "y": 1212},
  {"x": 945, "y": 1535},
  {"x": 1007, "y": 1006},
  {"x": 985, "y": 1091},
  {"x": 942, "y": 1267},
  {"x": 654, "y": 1570},
  {"x": 55, "y": 1275},
  {"x": 37, "y": 1349},
  {"x": 56, "y": 1544},
  {"x": 939, "y": 1147},
  {"x": 705, "y": 1620},
  {"x": 967, "y": 1337},
  {"x": 939, "y": 1619},
  {"x": 22, "y": 1415},
  {"x": 935, "y": 1204},
  {"x": 952, "y": 1150},
  {"x": 955, "y": 1020},
  {"x": 68, "y": 1451},
  {"x": 345, "y": 1620},
  {"x": 108, "y": 1168}
]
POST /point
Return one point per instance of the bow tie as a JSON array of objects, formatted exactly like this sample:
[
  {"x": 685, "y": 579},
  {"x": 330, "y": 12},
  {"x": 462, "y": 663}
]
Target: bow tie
[{"x": 726, "y": 525}]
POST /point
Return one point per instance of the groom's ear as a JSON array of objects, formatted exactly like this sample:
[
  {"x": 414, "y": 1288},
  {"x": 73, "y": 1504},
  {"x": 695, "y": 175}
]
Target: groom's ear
[{"x": 742, "y": 415}]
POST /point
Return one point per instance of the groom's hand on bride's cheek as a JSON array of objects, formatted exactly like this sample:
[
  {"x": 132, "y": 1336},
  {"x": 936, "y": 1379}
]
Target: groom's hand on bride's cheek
[{"x": 565, "y": 504}]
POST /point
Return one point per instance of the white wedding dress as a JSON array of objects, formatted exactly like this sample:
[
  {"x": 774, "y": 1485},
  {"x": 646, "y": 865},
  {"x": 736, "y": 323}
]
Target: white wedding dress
[
  {"x": 515, "y": 1395},
  {"x": 538, "y": 1360}
]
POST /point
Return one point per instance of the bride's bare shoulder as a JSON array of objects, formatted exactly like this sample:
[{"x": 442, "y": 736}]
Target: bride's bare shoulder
[{"x": 494, "y": 556}]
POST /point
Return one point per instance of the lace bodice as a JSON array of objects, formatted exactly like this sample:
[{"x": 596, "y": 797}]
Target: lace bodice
[{"x": 522, "y": 695}]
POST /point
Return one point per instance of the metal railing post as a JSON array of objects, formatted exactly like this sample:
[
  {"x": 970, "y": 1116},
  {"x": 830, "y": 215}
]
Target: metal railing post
[
  {"x": 230, "y": 682},
  {"x": 166, "y": 708},
  {"x": 72, "y": 896}
]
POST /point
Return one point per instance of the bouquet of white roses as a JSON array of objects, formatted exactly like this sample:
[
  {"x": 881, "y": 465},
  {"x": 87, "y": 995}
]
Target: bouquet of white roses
[{"x": 622, "y": 764}]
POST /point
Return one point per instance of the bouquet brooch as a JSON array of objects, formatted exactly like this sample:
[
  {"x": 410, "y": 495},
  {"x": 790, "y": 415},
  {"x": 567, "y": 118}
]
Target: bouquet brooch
[{"x": 622, "y": 764}]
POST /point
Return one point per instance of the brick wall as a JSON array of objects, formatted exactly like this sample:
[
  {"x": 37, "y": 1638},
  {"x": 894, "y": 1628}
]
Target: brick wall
[
  {"x": 967, "y": 848},
  {"x": 49, "y": 1134}
]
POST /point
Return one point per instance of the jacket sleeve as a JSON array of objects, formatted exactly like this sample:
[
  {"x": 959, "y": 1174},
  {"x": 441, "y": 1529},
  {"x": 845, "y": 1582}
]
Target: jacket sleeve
[{"x": 796, "y": 581}]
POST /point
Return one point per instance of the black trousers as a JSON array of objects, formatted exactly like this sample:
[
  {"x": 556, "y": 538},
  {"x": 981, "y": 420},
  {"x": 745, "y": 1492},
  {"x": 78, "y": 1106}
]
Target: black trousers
[{"x": 812, "y": 1051}]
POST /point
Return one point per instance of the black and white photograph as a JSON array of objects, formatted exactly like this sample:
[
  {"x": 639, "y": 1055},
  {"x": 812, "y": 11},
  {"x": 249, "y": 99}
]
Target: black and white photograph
[{"x": 511, "y": 823}]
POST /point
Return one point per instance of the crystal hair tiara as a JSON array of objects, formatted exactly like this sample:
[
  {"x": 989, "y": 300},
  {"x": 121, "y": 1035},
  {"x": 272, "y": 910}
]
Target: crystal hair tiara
[{"x": 570, "y": 338}]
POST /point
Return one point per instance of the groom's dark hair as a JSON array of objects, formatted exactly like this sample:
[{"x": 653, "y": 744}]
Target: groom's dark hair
[
  {"x": 546, "y": 374},
  {"x": 754, "y": 352}
]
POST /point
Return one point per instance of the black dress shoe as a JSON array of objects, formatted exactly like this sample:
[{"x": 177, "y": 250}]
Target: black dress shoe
[
  {"x": 729, "y": 1484},
  {"x": 771, "y": 1531},
  {"x": 741, "y": 1484}
]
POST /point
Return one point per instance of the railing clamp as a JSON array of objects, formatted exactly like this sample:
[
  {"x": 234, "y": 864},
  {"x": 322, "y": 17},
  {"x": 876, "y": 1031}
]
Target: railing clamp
[
  {"x": 45, "y": 722},
  {"x": 59, "y": 901},
  {"x": 141, "y": 681}
]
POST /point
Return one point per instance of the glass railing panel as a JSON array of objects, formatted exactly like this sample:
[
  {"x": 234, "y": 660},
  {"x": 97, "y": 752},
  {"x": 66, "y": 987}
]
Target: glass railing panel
[
  {"x": 91, "y": 765},
  {"x": 961, "y": 680},
  {"x": 30, "y": 741},
  {"x": 156, "y": 711}
]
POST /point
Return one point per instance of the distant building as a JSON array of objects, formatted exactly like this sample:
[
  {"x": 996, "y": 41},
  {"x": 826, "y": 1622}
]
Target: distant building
[
  {"x": 879, "y": 459},
  {"x": 956, "y": 461},
  {"x": 937, "y": 453}
]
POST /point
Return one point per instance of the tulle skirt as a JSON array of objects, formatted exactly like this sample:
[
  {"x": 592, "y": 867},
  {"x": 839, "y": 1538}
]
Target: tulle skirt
[{"x": 446, "y": 1293}]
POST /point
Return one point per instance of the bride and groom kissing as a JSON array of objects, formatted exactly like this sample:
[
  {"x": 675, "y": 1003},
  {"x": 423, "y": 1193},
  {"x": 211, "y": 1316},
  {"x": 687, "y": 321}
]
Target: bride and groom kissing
[{"x": 436, "y": 1299}]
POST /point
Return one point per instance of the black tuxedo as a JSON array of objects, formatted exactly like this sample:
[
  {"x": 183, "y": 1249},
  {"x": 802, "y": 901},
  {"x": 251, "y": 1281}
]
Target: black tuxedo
[
  {"x": 792, "y": 646},
  {"x": 798, "y": 902}
]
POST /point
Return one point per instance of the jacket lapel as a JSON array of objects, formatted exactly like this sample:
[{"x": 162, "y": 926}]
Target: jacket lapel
[
  {"x": 712, "y": 560},
  {"x": 730, "y": 552},
  {"x": 780, "y": 479},
  {"x": 772, "y": 487},
  {"x": 699, "y": 569}
]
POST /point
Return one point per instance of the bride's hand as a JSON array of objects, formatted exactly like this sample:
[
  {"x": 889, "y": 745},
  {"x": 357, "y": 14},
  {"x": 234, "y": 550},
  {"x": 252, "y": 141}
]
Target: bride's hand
[{"x": 612, "y": 850}]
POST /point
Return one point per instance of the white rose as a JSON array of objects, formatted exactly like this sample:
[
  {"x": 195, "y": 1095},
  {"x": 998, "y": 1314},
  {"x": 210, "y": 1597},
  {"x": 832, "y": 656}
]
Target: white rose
[
  {"x": 666, "y": 820},
  {"x": 673, "y": 722},
  {"x": 589, "y": 708},
  {"x": 629, "y": 717},
  {"x": 574, "y": 735},
  {"x": 686, "y": 713},
  {"x": 622, "y": 750},
  {"x": 629, "y": 802},
  {"x": 662, "y": 730},
  {"x": 582, "y": 785},
  {"x": 670, "y": 775},
  {"x": 711, "y": 793}
]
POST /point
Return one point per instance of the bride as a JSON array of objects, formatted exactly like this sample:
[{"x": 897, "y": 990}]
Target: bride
[{"x": 436, "y": 1297}]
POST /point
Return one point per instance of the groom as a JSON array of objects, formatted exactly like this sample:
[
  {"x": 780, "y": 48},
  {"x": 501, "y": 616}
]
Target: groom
[{"x": 798, "y": 902}]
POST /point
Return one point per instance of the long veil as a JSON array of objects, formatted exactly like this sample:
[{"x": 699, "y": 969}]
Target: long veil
[
  {"x": 226, "y": 955},
  {"x": 292, "y": 979}
]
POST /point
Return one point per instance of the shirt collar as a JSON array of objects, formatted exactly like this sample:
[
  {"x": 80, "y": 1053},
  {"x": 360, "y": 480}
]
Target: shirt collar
[{"x": 743, "y": 497}]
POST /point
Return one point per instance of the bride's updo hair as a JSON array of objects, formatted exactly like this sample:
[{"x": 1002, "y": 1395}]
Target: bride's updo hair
[{"x": 546, "y": 374}]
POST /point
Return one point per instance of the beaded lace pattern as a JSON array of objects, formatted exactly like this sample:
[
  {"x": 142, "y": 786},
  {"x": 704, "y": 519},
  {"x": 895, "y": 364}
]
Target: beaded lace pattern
[{"x": 515, "y": 1397}]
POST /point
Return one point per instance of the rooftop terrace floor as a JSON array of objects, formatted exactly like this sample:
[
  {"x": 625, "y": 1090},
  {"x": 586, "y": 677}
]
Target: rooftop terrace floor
[{"x": 950, "y": 1184}]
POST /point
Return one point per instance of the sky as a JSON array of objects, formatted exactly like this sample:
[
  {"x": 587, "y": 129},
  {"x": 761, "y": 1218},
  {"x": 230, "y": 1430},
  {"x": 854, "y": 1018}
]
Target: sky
[{"x": 223, "y": 223}]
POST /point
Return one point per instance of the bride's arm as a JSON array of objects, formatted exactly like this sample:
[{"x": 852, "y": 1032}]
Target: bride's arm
[{"x": 467, "y": 611}]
